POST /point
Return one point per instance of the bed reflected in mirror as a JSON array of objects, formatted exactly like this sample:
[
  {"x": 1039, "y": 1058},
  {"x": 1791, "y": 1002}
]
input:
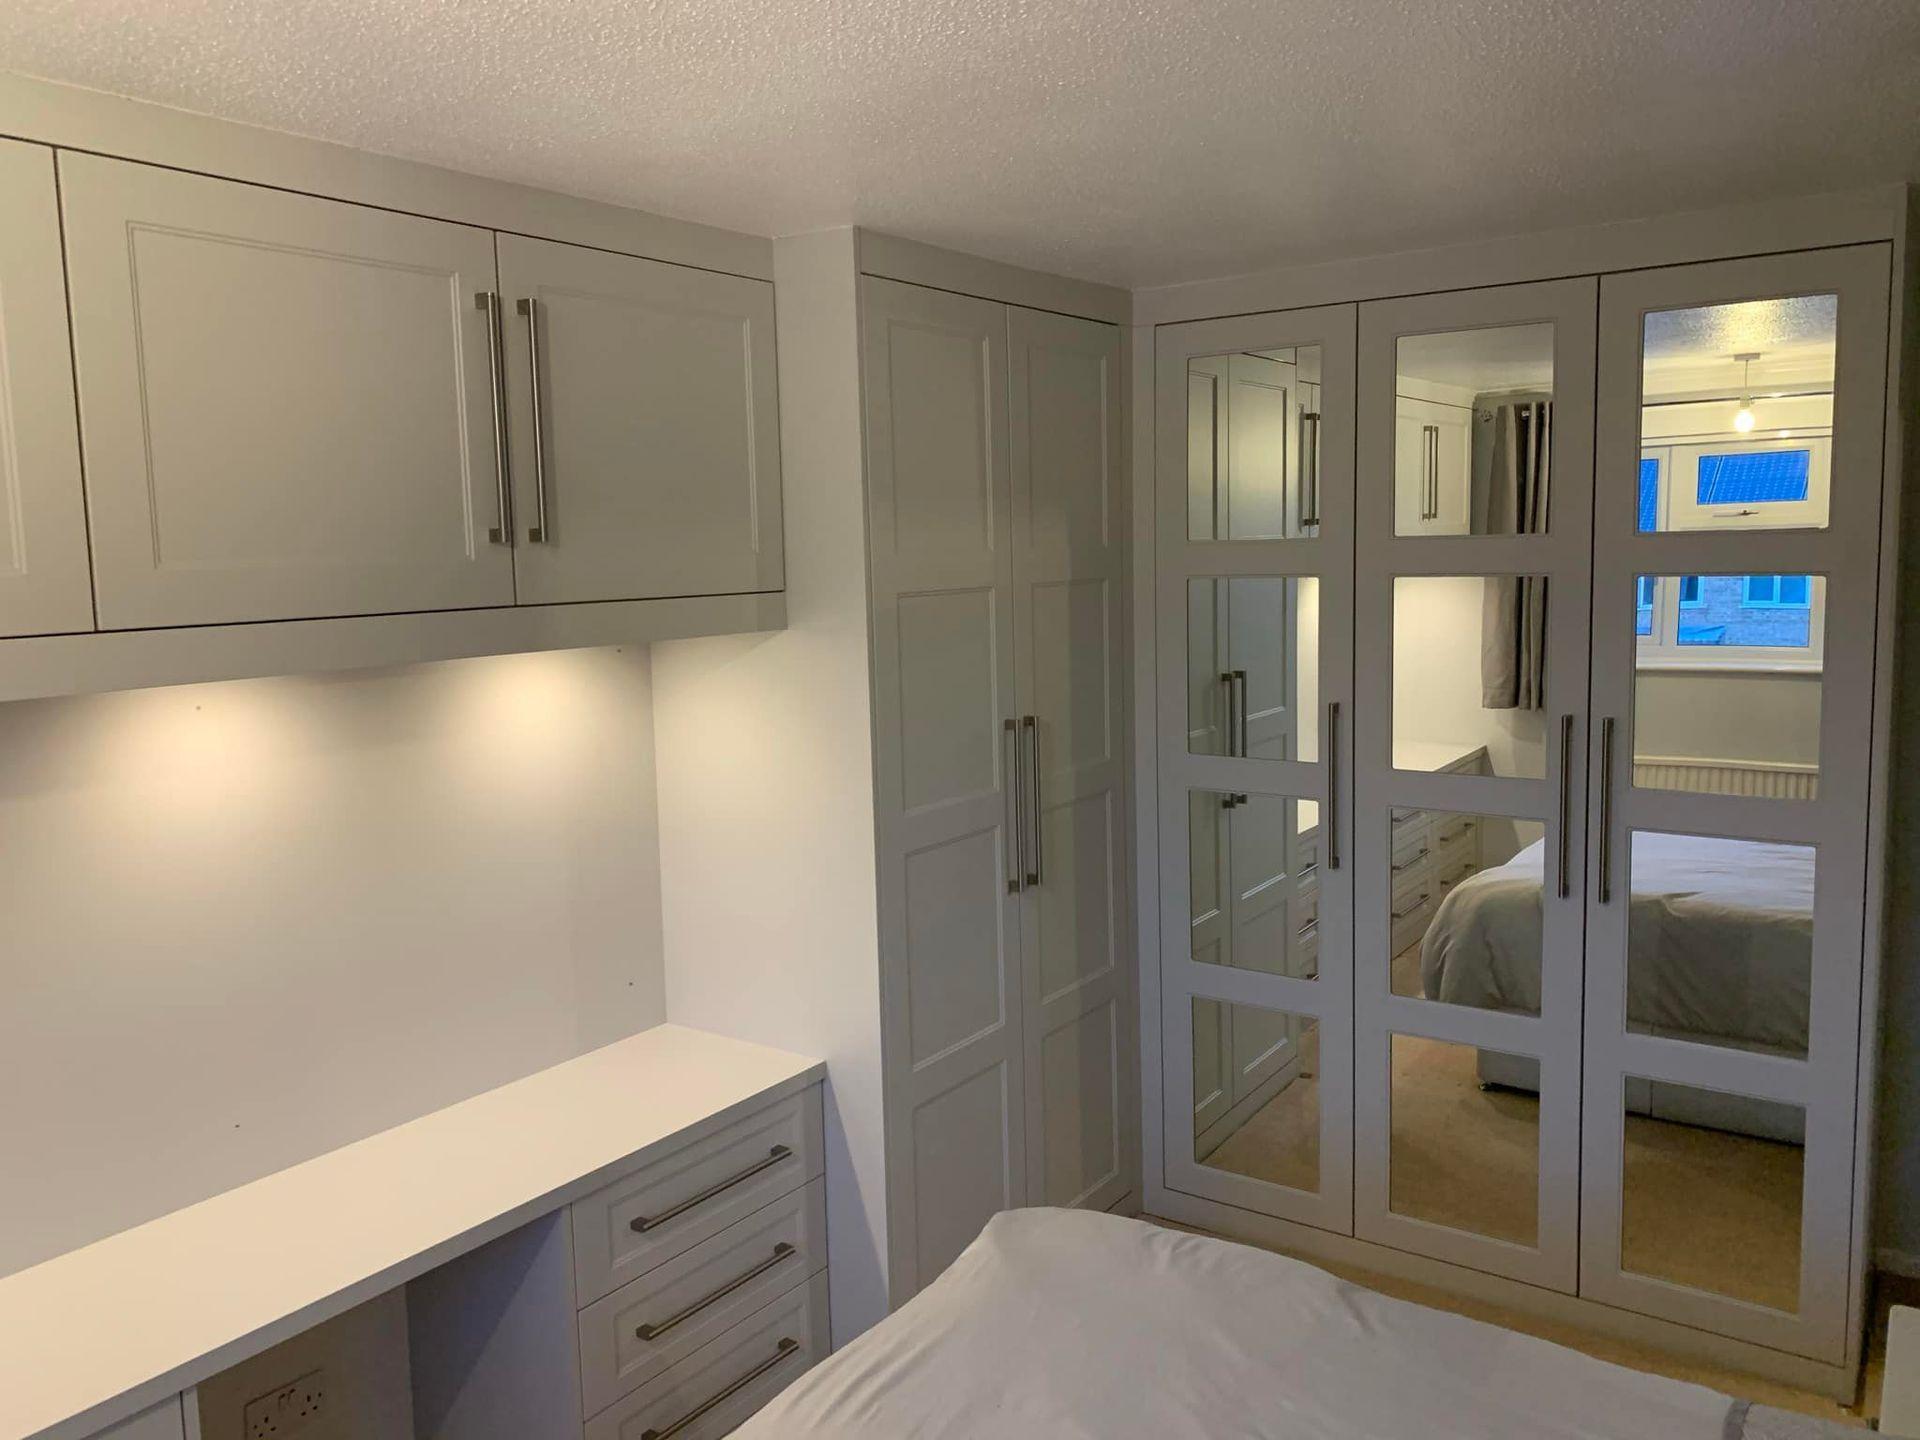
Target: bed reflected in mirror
[
  {"x": 1464, "y": 922},
  {"x": 1256, "y": 1093}
]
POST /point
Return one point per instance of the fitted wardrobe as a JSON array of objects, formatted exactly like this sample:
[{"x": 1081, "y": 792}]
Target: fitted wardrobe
[
  {"x": 996, "y": 532},
  {"x": 1514, "y": 681}
]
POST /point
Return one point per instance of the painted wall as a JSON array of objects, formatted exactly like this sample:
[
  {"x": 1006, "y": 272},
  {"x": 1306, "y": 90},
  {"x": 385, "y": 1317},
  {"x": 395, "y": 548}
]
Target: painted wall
[
  {"x": 247, "y": 923},
  {"x": 1691, "y": 714},
  {"x": 766, "y": 784}
]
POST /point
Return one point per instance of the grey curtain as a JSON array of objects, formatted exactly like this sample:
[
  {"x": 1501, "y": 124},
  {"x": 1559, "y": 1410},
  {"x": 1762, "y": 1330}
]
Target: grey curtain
[{"x": 1513, "y": 633}]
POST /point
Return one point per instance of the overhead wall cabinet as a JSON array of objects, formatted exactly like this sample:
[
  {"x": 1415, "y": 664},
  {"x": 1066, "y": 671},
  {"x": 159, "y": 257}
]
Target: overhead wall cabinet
[
  {"x": 301, "y": 409},
  {"x": 1556, "y": 732},
  {"x": 993, "y": 460}
]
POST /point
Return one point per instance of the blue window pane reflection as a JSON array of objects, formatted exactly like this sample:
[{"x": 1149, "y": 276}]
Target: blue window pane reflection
[
  {"x": 1754, "y": 478},
  {"x": 1649, "y": 496}
]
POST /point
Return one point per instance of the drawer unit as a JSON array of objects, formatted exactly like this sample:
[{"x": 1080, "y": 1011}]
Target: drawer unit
[
  {"x": 727, "y": 1379},
  {"x": 1413, "y": 903},
  {"x": 643, "y": 1328},
  {"x": 689, "y": 1195}
]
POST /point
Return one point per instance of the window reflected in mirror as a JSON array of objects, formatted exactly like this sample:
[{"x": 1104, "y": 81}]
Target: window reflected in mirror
[
  {"x": 1470, "y": 674},
  {"x": 1711, "y": 1191},
  {"x": 1253, "y": 445},
  {"x": 1254, "y": 882},
  {"x": 1473, "y": 432},
  {"x": 1728, "y": 683},
  {"x": 1253, "y": 667},
  {"x": 1736, "y": 417},
  {"x": 1465, "y": 1143},
  {"x": 1464, "y": 913},
  {"x": 1256, "y": 1093}
]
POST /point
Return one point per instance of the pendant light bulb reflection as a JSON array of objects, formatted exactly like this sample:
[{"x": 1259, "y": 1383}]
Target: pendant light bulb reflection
[{"x": 1743, "y": 417}]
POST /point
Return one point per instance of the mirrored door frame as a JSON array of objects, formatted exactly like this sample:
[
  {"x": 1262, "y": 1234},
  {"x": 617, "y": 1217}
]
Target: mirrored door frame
[
  {"x": 1847, "y": 553},
  {"x": 1327, "y": 557},
  {"x": 1563, "y": 556}
]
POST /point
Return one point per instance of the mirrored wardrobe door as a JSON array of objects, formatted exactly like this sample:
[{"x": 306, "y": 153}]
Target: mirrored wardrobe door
[
  {"x": 1474, "y": 488},
  {"x": 1255, "y": 554},
  {"x": 1737, "y": 513}
]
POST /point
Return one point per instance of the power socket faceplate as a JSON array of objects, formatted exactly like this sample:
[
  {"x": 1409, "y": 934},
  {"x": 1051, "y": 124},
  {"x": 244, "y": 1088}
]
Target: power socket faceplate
[{"x": 288, "y": 1411}]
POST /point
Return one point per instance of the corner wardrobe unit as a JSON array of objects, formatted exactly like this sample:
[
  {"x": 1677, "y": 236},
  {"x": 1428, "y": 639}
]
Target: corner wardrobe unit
[
  {"x": 1518, "y": 767},
  {"x": 996, "y": 527},
  {"x": 298, "y": 409}
]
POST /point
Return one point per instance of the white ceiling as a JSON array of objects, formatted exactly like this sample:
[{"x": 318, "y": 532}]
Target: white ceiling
[{"x": 1133, "y": 141}]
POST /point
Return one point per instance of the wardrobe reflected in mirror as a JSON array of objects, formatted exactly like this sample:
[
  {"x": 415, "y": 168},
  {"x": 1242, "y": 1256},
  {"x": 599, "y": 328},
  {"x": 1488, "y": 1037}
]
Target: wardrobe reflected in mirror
[
  {"x": 1253, "y": 445},
  {"x": 1473, "y": 432},
  {"x": 1254, "y": 882},
  {"x": 1253, "y": 667},
  {"x": 1470, "y": 674},
  {"x": 1256, "y": 1093}
]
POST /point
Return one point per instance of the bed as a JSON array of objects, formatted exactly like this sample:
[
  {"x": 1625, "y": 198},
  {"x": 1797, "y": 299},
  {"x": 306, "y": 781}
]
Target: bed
[
  {"x": 1727, "y": 926},
  {"x": 1066, "y": 1323}
]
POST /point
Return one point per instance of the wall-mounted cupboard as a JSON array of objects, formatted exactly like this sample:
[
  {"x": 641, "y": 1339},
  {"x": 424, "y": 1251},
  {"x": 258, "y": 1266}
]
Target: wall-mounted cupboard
[
  {"x": 1556, "y": 732},
  {"x": 279, "y": 407}
]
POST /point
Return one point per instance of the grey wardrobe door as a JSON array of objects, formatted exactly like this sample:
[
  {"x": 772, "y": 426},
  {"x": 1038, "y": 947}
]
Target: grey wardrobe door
[
  {"x": 286, "y": 403},
  {"x": 949, "y": 882},
  {"x": 1068, "y": 591},
  {"x": 654, "y": 468},
  {"x": 44, "y": 586}
]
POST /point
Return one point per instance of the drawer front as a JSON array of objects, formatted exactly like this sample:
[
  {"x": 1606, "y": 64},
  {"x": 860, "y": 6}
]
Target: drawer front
[
  {"x": 1413, "y": 903},
  {"x": 625, "y": 1229},
  {"x": 636, "y": 1333},
  {"x": 723, "y": 1382},
  {"x": 1411, "y": 846},
  {"x": 1306, "y": 907}
]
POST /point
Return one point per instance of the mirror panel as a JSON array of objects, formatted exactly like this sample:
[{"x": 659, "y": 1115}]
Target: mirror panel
[
  {"x": 1711, "y": 1191},
  {"x": 1465, "y": 1143},
  {"x": 1253, "y": 445},
  {"x": 1736, "y": 417},
  {"x": 1253, "y": 667},
  {"x": 1254, "y": 878},
  {"x": 1473, "y": 431},
  {"x": 1256, "y": 1093},
  {"x": 1464, "y": 909},
  {"x": 1470, "y": 674}
]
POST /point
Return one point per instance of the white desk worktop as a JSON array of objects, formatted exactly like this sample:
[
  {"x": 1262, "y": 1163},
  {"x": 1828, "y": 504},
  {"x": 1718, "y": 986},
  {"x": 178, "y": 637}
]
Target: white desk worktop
[{"x": 95, "y": 1335}]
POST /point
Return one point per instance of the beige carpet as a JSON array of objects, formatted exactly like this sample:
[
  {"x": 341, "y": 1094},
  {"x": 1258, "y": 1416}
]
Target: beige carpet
[{"x": 1702, "y": 1207}]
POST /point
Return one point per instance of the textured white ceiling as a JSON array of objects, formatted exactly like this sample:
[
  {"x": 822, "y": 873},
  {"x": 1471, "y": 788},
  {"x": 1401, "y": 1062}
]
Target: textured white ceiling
[{"x": 1133, "y": 141}]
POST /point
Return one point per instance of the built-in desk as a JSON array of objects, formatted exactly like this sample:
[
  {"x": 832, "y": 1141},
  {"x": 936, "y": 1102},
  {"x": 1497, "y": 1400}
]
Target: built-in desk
[{"x": 99, "y": 1335}]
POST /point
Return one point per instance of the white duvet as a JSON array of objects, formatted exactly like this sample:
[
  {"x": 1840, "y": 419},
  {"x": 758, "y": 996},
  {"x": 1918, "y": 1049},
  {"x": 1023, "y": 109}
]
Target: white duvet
[
  {"x": 1064, "y": 1323},
  {"x": 1720, "y": 932}
]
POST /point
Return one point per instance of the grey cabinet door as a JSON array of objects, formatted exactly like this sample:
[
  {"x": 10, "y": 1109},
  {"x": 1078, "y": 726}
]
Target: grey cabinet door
[
  {"x": 1069, "y": 592},
  {"x": 44, "y": 584},
  {"x": 646, "y": 462},
  {"x": 946, "y": 765},
  {"x": 286, "y": 403}
]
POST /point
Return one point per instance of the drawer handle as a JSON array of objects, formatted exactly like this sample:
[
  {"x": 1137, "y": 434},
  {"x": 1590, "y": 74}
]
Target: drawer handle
[
  {"x": 786, "y": 1347},
  {"x": 1412, "y": 860},
  {"x": 1307, "y": 929},
  {"x": 1419, "y": 900},
  {"x": 782, "y": 1251},
  {"x": 644, "y": 1223},
  {"x": 1453, "y": 835}
]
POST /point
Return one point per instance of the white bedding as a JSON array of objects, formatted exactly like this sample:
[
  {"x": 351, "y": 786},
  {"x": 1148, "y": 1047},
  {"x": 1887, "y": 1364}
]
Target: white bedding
[
  {"x": 1720, "y": 930},
  {"x": 1063, "y": 1323}
]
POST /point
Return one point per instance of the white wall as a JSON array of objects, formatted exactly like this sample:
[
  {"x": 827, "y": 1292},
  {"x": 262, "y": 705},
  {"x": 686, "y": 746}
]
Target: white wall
[
  {"x": 246, "y": 923},
  {"x": 1735, "y": 716},
  {"x": 1436, "y": 658},
  {"x": 766, "y": 784}
]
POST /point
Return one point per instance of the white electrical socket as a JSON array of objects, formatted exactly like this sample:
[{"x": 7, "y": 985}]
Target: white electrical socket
[{"x": 288, "y": 1411}]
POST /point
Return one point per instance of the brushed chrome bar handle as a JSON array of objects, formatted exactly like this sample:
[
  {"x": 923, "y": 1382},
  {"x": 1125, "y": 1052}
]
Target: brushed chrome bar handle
[
  {"x": 1228, "y": 712},
  {"x": 785, "y": 1348},
  {"x": 1418, "y": 901},
  {"x": 1030, "y": 732},
  {"x": 1606, "y": 810},
  {"x": 488, "y": 303},
  {"x": 1310, "y": 459},
  {"x": 1016, "y": 817},
  {"x": 538, "y": 532},
  {"x": 1433, "y": 471},
  {"x": 1411, "y": 861},
  {"x": 643, "y": 1223},
  {"x": 1332, "y": 846},
  {"x": 782, "y": 1251},
  {"x": 1240, "y": 708},
  {"x": 1566, "y": 798}
]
